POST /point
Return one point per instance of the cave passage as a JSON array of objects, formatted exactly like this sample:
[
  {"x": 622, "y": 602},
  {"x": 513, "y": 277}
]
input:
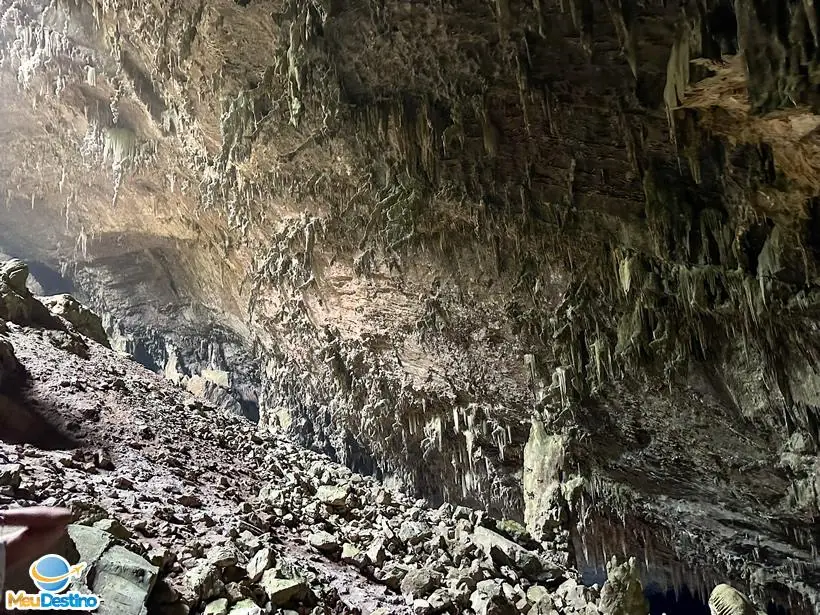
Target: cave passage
[
  {"x": 685, "y": 603},
  {"x": 669, "y": 602}
]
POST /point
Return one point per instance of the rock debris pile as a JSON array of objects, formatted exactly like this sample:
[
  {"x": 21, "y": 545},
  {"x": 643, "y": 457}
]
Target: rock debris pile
[{"x": 182, "y": 508}]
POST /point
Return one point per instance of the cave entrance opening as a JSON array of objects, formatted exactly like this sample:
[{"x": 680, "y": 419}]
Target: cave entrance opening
[
  {"x": 671, "y": 602},
  {"x": 684, "y": 602}
]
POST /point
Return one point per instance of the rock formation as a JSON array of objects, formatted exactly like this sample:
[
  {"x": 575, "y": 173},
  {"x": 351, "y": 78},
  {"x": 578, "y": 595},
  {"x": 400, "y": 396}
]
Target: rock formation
[
  {"x": 181, "y": 507},
  {"x": 424, "y": 238}
]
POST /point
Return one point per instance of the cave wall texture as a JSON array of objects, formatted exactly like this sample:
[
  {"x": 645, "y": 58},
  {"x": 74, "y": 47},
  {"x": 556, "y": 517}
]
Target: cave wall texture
[{"x": 556, "y": 259}]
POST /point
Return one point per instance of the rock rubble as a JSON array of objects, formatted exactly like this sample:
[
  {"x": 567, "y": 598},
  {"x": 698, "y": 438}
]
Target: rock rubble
[{"x": 182, "y": 508}]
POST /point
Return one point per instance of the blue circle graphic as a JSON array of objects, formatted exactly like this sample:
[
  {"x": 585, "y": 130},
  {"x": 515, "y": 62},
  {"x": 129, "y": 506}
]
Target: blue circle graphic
[{"x": 50, "y": 573}]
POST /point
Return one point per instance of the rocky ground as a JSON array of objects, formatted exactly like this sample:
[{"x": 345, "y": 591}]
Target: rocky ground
[{"x": 184, "y": 508}]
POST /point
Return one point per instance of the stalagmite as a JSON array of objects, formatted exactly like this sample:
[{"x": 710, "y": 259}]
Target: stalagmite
[
  {"x": 622, "y": 594},
  {"x": 726, "y": 600}
]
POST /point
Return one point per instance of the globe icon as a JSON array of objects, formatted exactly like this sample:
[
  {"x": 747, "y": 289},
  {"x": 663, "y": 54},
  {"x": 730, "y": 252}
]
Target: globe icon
[{"x": 50, "y": 573}]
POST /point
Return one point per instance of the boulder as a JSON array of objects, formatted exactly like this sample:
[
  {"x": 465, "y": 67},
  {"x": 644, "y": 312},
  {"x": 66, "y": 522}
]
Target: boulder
[
  {"x": 323, "y": 541},
  {"x": 536, "y": 593},
  {"x": 441, "y": 600},
  {"x": 726, "y": 600},
  {"x": 11, "y": 371},
  {"x": 282, "y": 591},
  {"x": 89, "y": 542},
  {"x": 573, "y": 595},
  {"x": 414, "y": 532},
  {"x": 513, "y": 530},
  {"x": 217, "y": 607},
  {"x": 376, "y": 553},
  {"x": 203, "y": 582},
  {"x": 83, "y": 319},
  {"x": 17, "y": 304},
  {"x": 15, "y": 273},
  {"x": 221, "y": 556},
  {"x": 333, "y": 496},
  {"x": 420, "y": 583},
  {"x": 489, "y": 599},
  {"x": 505, "y": 552},
  {"x": 392, "y": 574},
  {"x": 261, "y": 561},
  {"x": 10, "y": 475},
  {"x": 544, "y": 606},
  {"x": 123, "y": 580},
  {"x": 246, "y": 607},
  {"x": 113, "y": 527},
  {"x": 353, "y": 555}
]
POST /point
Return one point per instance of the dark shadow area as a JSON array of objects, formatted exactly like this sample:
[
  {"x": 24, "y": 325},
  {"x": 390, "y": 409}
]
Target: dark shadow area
[
  {"x": 21, "y": 423},
  {"x": 774, "y": 609},
  {"x": 670, "y": 602},
  {"x": 49, "y": 279}
]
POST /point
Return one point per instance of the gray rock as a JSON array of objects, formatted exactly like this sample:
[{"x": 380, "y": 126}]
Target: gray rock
[
  {"x": 10, "y": 475},
  {"x": 246, "y": 607},
  {"x": 123, "y": 580},
  {"x": 726, "y": 600},
  {"x": 514, "y": 530},
  {"x": 572, "y": 594},
  {"x": 544, "y": 606},
  {"x": 203, "y": 581},
  {"x": 323, "y": 541},
  {"x": 217, "y": 607},
  {"x": 90, "y": 542},
  {"x": 84, "y": 320},
  {"x": 15, "y": 273},
  {"x": 392, "y": 575},
  {"x": 375, "y": 552},
  {"x": 353, "y": 555},
  {"x": 440, "y": 600},
  {"x": 222, "y": 556},
  {"x": 504, "y": 551},
  {"x": 414, "y": 532},
  {"x": 282, "y": 591},
  {"x": 164, "y": 594},
  {"x": 383, "y": 497},
  {"x": 461, "y": 586},
  {"x": 461, "y": 512},
  {"x": 420, "y": 583},
  {"x": 536, "y": 592},
  {"x": 10, "y": 369},
  {"x": 261, "y": 561},
  {"x": 332, "y": 495},
  {"x": 489, "y": 599},
  {"x": 113, "y": 527}
]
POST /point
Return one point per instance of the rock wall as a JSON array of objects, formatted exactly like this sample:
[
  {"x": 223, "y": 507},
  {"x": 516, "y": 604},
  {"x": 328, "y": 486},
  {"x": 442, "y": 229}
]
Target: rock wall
[
  {"x": 147, "y": 317},
  {"x": 442, "y": 227}
]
